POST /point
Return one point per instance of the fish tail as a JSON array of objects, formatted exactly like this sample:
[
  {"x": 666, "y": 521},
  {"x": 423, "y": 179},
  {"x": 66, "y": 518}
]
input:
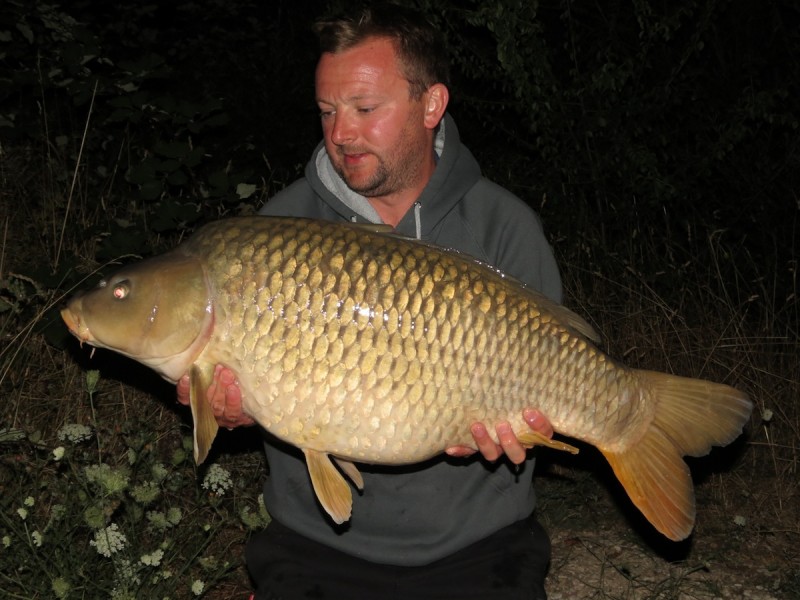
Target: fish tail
[{"x": 691, "y": 416}]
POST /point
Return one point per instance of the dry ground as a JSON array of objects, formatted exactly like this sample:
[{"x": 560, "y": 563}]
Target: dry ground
[
  {"x": 745, "y": 545},
  {"x": 603, "y": 549}
]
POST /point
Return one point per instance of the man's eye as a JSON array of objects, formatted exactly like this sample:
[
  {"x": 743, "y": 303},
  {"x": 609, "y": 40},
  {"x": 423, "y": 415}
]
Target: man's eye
[
  {"x": 324, "y": 114},
  {"x": 366, "y": 109}
]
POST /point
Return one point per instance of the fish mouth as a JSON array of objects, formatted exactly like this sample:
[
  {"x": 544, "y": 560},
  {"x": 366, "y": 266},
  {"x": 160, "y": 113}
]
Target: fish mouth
[{"x": 75, "y": 326}]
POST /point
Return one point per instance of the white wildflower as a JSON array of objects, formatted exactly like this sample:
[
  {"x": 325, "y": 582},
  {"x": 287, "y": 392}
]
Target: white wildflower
[
  {"x": 174, "y": 515},
  {"x": 36, "y": 538},
  {"x": 159, "y": 521},
  {"x": 217, "y": 480},
  {"x": 153, "y": 559},
  {"x": 58, "y": 453},
  {"x": 109, "y": 540},
  {"x": 60, "y": 587},
  {"x": 121, "y": 593},
  {"x": 740, "y": 520},
  {"x": 113, "y": 481},
  {"x": 23, "y": 513},
  {"x": 29, "y": 501},
  {"x": 74, "y": 432},
  {"x": 6, "y": 541},
  {"x": 197, "y": 587},
  {"x": 766, "y": 415},
  {"x": 146, "y": 492},
  {"x": 159, "y": 472},
  {"x": 126, "y": 576}
]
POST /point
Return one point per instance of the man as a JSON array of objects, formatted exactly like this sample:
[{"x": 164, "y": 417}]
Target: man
[{"x": 451, "y": 527}]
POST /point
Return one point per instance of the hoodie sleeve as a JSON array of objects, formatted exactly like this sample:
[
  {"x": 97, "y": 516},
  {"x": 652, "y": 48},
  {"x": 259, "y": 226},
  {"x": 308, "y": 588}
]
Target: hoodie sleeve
[{"x": 522, "y": 250}]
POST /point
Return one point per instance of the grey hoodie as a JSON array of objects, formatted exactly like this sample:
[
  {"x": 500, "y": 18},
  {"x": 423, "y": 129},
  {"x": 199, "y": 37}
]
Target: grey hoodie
[{"x": 417, "y": 514}]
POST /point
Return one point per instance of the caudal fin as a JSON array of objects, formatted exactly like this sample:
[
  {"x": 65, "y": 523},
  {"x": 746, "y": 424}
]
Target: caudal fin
[{"x": 691, "y": 416}]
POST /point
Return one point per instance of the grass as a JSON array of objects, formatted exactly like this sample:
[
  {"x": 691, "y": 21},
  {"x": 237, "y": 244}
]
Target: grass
[
  {"x": 718, "y": 317},
  {"x": 101, "y": 497}
]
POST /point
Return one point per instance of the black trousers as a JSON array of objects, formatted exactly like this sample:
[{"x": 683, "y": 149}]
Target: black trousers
[{"x": 508, "y": 565}]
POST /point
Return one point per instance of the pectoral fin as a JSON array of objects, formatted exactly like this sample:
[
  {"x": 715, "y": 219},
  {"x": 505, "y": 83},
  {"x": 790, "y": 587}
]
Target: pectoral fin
[
  {"x": 332, "y": 490},
  {"x": 534, "y": 438},
  {"x": 205, "y": 423}
]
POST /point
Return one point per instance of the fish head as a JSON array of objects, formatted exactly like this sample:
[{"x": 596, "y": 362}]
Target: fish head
[{"x": 158, "y": 311}]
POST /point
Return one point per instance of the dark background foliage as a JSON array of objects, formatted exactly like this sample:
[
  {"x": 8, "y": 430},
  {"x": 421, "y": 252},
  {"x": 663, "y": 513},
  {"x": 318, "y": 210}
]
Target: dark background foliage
[{"x": 683, "y": 115}]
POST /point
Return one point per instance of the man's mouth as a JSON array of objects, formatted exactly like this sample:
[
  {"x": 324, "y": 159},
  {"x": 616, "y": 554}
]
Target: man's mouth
[{"x": 353, "y": 159}]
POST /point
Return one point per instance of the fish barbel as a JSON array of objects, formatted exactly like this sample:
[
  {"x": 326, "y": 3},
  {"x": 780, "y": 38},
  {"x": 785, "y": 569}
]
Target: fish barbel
[{"x": 358, "y": 345}]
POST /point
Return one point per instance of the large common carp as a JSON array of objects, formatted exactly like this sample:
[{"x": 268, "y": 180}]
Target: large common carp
[{"x": 362, "y": 346}]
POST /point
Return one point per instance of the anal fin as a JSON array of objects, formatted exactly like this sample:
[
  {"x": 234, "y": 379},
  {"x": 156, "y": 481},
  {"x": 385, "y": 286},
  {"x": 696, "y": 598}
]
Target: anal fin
[
  {"x": 330, "y": 486},
  {"x": 534, "y": 438}
]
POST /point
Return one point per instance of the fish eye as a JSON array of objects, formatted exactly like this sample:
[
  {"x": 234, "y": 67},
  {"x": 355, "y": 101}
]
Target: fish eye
[{"x": 120, "y": 291}]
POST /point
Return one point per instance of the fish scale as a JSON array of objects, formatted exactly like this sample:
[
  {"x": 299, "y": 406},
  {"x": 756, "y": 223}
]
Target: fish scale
[
  {"x": 374, "y": 370},
  {"x": 358, "y": 345}
]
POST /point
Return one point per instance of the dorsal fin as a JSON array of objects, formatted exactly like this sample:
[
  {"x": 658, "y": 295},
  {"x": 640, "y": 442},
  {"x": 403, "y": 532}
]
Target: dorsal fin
[{"x": 381, "y": 228}]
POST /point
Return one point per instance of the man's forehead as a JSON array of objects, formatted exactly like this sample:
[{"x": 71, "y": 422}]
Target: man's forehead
[{"x": 364, "y": 69}]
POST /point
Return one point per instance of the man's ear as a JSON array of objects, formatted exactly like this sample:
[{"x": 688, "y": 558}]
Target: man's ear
[{"x": 436, "y": 99}]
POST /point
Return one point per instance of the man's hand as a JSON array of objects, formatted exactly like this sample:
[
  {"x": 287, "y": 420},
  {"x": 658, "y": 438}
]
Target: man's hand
[
  {"x": 509, "y": 445},
  {"x": 224, "y": 396}
]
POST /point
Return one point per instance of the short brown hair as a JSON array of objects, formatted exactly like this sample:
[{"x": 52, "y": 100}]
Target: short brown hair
[{"x": 419, "y": 46}]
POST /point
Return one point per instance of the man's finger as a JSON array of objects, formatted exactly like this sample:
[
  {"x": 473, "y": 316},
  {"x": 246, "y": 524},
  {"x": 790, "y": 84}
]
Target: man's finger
[
  {"x": 538, "y": 422},
  {"x": 486, "y": 445},
  {"x": 509, "y": 443}
]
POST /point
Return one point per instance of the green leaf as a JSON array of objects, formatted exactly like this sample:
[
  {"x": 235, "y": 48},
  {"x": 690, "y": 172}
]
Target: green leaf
[
  {"x": 151, "y": 190},
  {"x": 194, "y": 157},
  {"x": 219, "y": 180},
  {"x": 168, "y": 166},
  {"x": 142, "y": 173},
  {"x": 178, "y": 178},
  {"x": 245, "y": 190},
  {"x": 172, "y": 149}
]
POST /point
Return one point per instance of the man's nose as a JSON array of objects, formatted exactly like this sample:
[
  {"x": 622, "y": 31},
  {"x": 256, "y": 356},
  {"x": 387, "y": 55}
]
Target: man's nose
[{"x": 343, "y": 131}]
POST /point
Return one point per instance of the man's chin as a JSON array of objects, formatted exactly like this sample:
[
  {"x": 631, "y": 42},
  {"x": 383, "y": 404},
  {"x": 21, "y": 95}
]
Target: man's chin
[
  {"x": 361, "y": 180},
  {"x": 361, "y": 186}
]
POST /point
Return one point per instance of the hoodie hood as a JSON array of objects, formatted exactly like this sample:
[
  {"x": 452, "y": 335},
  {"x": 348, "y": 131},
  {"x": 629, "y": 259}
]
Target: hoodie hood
[{"x": 456, "y": 172}]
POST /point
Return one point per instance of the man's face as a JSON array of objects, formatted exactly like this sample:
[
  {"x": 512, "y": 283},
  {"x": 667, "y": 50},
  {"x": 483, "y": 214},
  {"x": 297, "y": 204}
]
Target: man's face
[{"x": 375, "y": 134}]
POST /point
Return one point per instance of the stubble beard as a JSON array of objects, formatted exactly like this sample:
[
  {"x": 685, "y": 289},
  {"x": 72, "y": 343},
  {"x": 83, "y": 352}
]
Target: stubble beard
[
  {"x": 378, "y": 184},
  {"x": 387, "y": 178}
]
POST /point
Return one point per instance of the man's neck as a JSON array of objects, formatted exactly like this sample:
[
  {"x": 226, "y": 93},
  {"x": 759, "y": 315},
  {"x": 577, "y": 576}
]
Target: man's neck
[
  {"x": 392, "y": 210},
  {"x": 393, "y": 207}
]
